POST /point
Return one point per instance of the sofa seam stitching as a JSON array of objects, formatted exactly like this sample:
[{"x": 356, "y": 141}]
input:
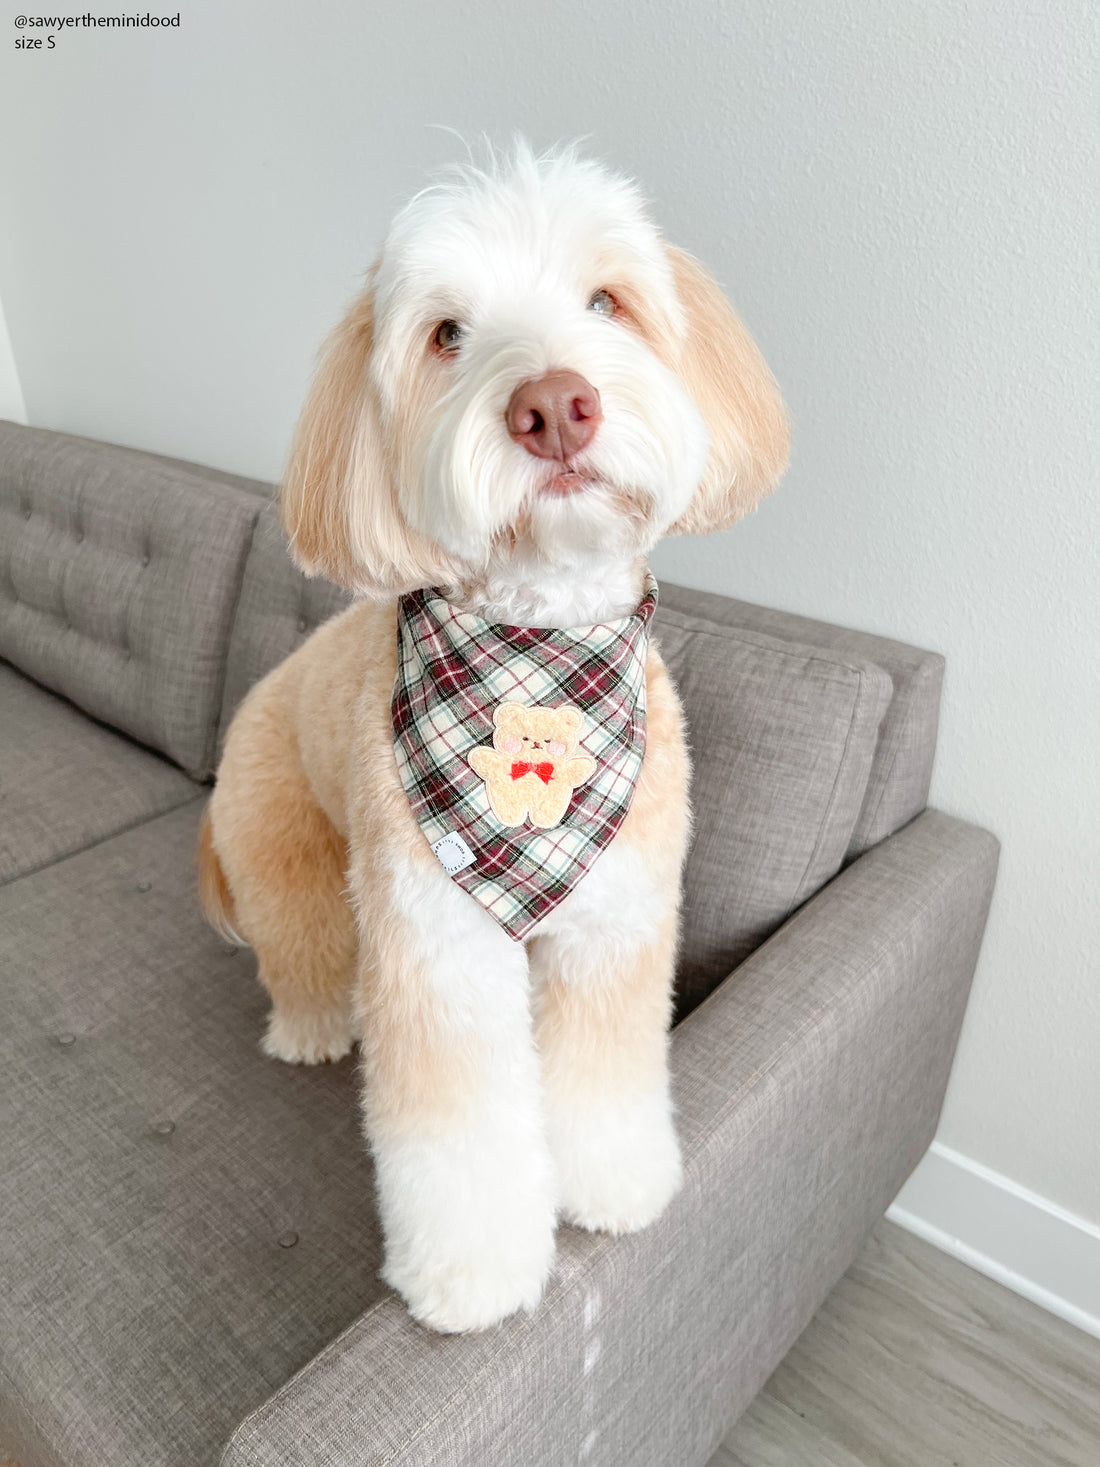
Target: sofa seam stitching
[
  {"x": 910, "y": 699},
  {"x": 859, "y": 696},
  {"x": 31, "y": 1415},
  {"x": 823, "y": 655},
  {"x": 257, "y": 1416},
  {"x": 101, "y": 840}
]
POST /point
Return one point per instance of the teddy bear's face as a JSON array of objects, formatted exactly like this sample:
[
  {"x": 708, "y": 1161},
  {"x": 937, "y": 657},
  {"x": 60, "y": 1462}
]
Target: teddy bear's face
[{"x": 549, "y": 732}]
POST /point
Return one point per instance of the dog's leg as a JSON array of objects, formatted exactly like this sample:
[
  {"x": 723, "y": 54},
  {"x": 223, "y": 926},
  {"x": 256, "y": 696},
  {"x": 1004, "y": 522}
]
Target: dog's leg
[
  {"x": 602, "y": 970},
  {"x": 307, "y": 953},
  {"x": 452, "y": 1104},
  {"x": 285, "y": 867}
]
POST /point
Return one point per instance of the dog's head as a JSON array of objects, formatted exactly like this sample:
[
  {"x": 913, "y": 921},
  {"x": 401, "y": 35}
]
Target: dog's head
[{"x": 531, "y": 368}]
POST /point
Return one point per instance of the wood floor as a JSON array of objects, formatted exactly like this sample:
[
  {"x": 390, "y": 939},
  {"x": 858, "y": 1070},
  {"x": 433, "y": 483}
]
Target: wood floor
[{"x": 915, "y": 1360}]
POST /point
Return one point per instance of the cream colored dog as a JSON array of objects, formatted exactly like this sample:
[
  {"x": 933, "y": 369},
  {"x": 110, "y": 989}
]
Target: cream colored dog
[{"x": 532, "y": 389}]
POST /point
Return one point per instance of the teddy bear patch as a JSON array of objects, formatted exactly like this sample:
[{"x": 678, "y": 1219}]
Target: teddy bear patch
[{"x": 531, "y": 771}]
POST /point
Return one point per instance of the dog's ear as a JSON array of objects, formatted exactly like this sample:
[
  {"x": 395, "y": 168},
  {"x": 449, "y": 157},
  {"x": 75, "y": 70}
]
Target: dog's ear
[
  {"x": 339, "y": 495},
  {"x": 722, "y": 370}
]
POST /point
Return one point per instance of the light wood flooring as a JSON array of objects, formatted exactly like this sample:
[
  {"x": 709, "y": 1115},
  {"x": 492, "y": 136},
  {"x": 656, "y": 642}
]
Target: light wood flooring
[{"x": 915, "y": 1360}]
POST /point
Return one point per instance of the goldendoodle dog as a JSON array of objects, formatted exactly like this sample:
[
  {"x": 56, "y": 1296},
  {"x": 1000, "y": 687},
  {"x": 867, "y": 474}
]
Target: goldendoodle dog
[{"x": 452, "y": 825}]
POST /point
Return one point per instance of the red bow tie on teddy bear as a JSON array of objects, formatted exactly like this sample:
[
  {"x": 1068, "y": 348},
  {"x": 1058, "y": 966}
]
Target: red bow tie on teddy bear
[{"x": 544, "y": 771}]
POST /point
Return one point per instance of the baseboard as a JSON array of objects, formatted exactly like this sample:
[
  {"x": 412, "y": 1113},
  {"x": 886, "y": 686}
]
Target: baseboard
[{"x": 1014, "y": 1236}]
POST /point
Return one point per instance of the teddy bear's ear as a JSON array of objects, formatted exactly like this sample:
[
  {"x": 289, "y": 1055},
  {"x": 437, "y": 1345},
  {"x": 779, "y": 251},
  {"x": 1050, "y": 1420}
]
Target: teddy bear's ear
[
  {"x": 506, "y": 713},
  {"x": 571, "y": 717}
]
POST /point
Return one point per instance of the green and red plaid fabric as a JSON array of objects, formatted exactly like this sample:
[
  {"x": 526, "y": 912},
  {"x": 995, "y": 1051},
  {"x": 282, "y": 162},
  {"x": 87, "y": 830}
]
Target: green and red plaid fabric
[{"x": 453, "y": 670}]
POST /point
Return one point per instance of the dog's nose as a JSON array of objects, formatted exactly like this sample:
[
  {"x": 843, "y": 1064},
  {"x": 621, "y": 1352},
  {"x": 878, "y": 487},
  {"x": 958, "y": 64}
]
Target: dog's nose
[{"x": 554, "y": 416}]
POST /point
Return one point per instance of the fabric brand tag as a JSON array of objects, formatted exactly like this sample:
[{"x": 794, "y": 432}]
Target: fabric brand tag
[{"x": 453, "y": 852}]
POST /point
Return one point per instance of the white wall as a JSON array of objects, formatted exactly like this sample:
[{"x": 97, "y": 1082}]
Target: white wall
[
  {"x": 12, "y": 405},
  {"x": 901, "y": 199}
]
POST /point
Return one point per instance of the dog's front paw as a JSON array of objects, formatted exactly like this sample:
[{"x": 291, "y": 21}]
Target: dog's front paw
[
  {"x": 458, "y": 1293},
  {"x": 469, "y": 1228},
  {"x": 309, "y": 1038},
  {"x": 618, "y": 1164}
]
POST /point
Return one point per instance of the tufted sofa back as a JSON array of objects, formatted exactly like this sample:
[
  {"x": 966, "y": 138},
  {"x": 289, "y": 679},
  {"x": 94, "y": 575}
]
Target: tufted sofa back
[
  {"x": 119, "y": 578},
  {"x": 278, "y": 609}
]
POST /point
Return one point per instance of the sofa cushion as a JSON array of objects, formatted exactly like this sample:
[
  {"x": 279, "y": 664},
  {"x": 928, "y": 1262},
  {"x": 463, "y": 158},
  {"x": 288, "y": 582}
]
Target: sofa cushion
[
  {"x": 183, "y": 1222},
  {"x": 119, "y": 574},
  {"x": 783, "y": 737},
  {"x": 66, "y": 781},
  {"x": 278, "y": 608},
  {"x": 901, "y": 771}
]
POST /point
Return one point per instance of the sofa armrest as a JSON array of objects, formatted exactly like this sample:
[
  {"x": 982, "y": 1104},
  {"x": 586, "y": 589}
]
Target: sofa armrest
[{"x": 808, "y": 1086}]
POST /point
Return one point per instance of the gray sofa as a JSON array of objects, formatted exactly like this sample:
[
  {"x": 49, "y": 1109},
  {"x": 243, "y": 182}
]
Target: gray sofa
[{"x": 188, "y": 1247}]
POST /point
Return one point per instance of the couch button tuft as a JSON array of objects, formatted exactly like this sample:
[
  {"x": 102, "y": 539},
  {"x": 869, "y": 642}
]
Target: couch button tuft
[
  {"x": 66, "y": 1039},
  {"x": 163, "y": 1128},
  {"x": 303, "y": 625},
  {"x": 145, "y": 886},
  {"x": 288, "y": 1239}
]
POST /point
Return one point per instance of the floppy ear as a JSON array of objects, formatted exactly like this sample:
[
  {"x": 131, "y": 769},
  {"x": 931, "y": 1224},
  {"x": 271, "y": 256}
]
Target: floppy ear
[
  {"x": 723, "y": 372},
  {"x": 339, "y": 494}
]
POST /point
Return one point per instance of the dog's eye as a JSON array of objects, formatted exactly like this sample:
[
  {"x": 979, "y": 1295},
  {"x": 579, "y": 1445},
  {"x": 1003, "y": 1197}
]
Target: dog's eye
[
  {"x": 603, "y": 303},
  {"x": 448, "y": 336}
]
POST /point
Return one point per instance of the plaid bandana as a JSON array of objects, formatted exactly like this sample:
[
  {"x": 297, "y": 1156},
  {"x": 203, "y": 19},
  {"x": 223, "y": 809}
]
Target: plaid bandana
[{"x": 519, "y": 748}]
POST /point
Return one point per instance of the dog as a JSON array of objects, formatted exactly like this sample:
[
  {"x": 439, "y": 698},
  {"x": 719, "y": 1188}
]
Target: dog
[{"x": 532, "y": 389}]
